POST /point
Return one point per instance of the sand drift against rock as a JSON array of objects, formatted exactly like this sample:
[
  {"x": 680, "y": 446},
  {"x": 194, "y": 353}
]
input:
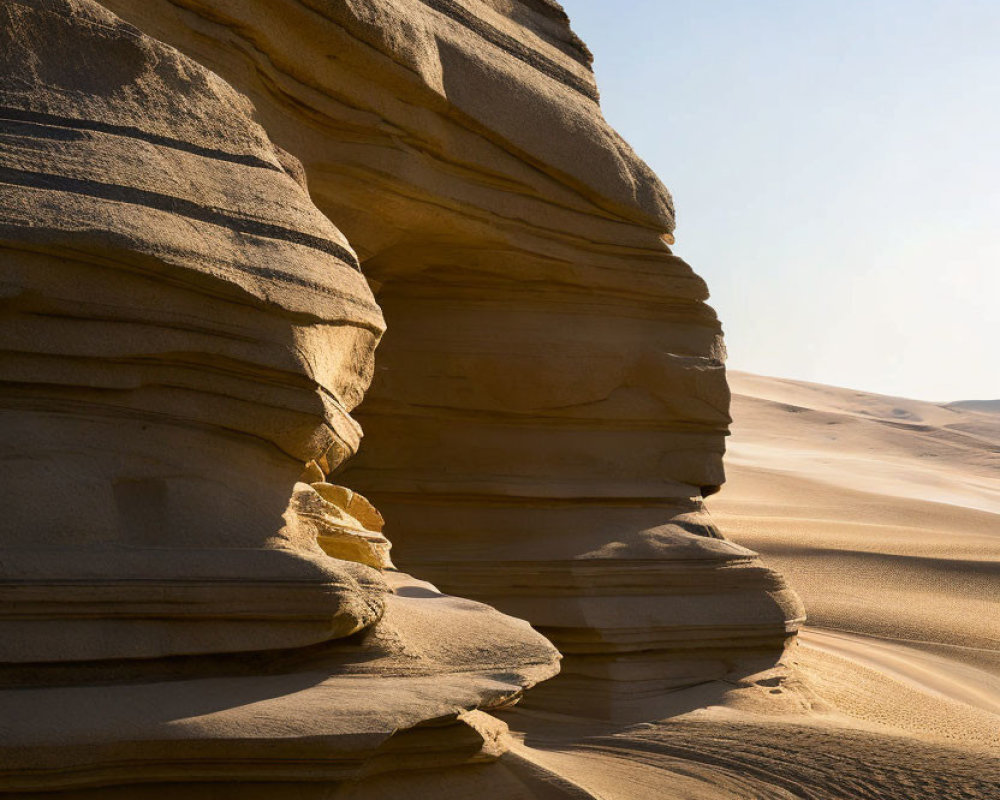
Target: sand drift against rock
[{"x": 232, "y": 236}]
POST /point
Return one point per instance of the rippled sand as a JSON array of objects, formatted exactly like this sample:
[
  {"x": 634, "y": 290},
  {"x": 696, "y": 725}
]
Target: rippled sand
[{"x": 884, "y": 514}]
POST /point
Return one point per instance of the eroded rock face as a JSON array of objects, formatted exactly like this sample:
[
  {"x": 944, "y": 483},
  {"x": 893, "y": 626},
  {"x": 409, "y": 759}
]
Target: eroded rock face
[
  {"x": 409, "y": 695},
  {"x": 345, "y": 524},
  {"x": 183, "y": 331},
  {"x": 549, "y": 403}
]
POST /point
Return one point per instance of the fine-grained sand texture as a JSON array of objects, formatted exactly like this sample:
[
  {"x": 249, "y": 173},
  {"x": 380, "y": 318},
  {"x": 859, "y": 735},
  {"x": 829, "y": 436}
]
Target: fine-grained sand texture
[{"x": 884, "y": 514}]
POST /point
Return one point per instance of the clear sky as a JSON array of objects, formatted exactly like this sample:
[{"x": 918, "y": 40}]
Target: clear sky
[{"x": 836, "y": 172}]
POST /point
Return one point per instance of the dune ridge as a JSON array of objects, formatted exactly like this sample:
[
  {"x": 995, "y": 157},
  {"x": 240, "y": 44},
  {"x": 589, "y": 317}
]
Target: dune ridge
[{"x": 884, "y": 513}]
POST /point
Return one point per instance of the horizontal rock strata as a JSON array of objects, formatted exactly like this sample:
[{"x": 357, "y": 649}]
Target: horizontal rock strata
[
  {"x": 182, "y": 329},
  {"x": 661, "y": 606},
  {"x": 551, "y": 384},
  {"x": 402, "y": 696},
  {"x": 183, "y": 332}
]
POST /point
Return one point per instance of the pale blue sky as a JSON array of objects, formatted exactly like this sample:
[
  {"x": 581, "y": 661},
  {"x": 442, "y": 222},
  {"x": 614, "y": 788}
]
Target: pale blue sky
[{"x": 836, "y": 171}]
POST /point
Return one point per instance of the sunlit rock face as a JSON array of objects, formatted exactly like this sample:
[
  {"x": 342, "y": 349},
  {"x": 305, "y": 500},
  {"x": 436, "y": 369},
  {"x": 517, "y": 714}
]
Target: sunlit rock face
[
  {"x": 184, "y": 597},
  {"x": 182, "y": 330},
  {"x": 549, "y": 403}
]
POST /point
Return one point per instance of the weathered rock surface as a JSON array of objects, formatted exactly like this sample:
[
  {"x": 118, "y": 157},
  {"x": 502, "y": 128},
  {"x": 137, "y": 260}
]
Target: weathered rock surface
[
  {"x": 549, "y": 402},
  {"x": 183, "y": 331},
  {"x": 402, "y": 696},
  {"x": 344, "y": 523}
]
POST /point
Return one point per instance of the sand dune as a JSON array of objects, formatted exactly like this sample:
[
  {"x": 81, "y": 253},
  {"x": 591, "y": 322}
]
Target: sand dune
[
  {"x": 935, "y": 675},
  {"x": 744, "y": 759},
  {"x": 843, "y": 439},
  {"x": 884, "y": 514},
  {"x": 985, "y": 406}
]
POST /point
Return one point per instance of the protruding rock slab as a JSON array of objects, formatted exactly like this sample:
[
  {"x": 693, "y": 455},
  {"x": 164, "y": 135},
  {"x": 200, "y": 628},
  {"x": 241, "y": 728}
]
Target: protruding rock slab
[
  {"x": 403, "y": 696},
  {"x": 660, "y": 606}
]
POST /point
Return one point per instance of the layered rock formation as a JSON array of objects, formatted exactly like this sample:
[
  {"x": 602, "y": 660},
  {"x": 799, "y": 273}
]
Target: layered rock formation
[
  {"x": 186, "y": 334},
  {"x": 549, "y": 403},
  {"x": 183, "y": 333}
]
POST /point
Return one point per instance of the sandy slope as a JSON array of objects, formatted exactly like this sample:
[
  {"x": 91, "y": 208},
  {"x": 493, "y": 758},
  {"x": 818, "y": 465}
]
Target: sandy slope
[{"x": 884, "y": 514}]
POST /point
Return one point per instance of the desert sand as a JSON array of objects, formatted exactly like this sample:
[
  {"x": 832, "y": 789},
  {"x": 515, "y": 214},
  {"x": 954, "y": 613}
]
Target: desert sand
[
  {"x": 210, "y": 214},
  {"x": 884, "y": 514}
]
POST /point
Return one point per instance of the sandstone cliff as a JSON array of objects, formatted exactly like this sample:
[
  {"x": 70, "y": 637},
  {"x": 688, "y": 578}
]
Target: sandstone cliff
[
  {"x": 182, "y": 331},
  {"x": 190, "y": 320},
  {"x": 549, "y": 401}
]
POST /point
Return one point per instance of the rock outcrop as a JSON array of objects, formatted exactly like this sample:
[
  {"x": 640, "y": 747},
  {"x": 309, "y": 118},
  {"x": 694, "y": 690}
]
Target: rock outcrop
[
  {"x": 549, "y": 403},
  {"x": 183, "y": 332},
  {"x": 187, "y": 542},
  {"x": 343, "y": 522}
]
